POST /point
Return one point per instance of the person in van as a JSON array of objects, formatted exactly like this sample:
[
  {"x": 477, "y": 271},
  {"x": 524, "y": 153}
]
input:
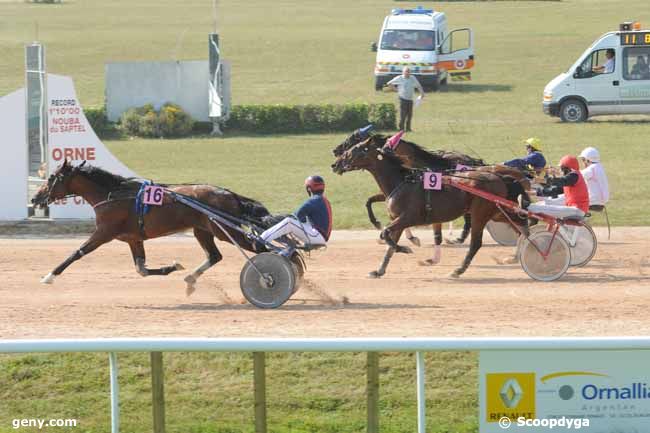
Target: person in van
[
  {"x": 406, "y": 84},
  {"x": 640, "y": 68},
  {"x": 534, "y": 158},
  {"x": 594, "y": 175},
  {"x": 608, "y": 67}
]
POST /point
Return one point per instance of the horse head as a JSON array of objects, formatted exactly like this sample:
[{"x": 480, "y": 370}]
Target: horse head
[
  {"x": 353, "y": 139},
  {"x": 57, "y": 186},
  {"x": 363, "y": 156}
]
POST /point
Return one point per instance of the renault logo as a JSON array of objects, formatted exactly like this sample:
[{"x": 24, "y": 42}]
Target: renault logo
[{"x": 511, "y": 393}]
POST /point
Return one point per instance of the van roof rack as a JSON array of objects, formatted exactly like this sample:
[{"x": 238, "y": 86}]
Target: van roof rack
[{"x": 418, "y": 10}]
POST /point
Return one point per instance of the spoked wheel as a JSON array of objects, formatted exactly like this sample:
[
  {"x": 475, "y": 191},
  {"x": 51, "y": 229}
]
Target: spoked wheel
[
  {"x": 276, "y": 284},
  {"x": 582, "y": 241},
  {"x": 298, "y": 264},
  {"x": 541, "y": 268},
  {"x": 502, "y": 233}
]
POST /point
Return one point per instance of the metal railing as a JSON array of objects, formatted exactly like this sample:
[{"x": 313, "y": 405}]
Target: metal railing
[{"x": 259, "y": 346}]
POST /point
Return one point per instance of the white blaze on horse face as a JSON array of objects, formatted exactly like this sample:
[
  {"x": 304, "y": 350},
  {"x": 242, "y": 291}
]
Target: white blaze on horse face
[{"x": 380, "y": 157}]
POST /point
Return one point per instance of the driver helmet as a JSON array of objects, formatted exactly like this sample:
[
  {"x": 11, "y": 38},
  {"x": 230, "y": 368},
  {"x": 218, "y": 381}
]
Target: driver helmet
[
  {"x": 535, "y": 143},
  {"x": 590, "y": 154},
  {"x": 314, "y": 184}
]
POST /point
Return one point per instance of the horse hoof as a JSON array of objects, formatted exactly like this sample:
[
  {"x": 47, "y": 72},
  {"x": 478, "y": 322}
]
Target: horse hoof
[
  {"x": 457, "y": 241},
  {"x": 415, "y": 241},
  {"x": 454, "y": 274},
  {"x": 375, "y": 274},
  {"x": 381, "y": 241},
  {"x": 404, "y": 250},
  {"x": 190, "y": 289},
  {"x": 178, "y": 266},
  {"x": 427, "y": 262},
  {"x": 48, "y": 279}
]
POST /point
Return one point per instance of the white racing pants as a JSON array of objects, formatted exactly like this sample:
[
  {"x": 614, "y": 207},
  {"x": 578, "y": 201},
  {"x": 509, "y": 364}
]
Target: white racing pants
[
  {"x": 556, "y": 207},
  {"x": 304, "y": 232}
]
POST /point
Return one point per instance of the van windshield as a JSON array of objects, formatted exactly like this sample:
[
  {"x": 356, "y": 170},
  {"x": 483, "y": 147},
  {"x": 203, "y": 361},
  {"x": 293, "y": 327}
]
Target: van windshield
[{"x": 408, "y": 40}]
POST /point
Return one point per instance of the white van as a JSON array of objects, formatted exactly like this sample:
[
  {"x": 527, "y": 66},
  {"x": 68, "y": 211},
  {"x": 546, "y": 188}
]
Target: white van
[
  {"x": 611, "y": 77},
  {"x": 419, "y": 38}
]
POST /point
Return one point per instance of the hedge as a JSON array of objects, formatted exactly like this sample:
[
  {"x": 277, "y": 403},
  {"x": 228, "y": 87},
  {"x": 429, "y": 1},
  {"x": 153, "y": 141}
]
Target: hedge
[
  {"x": 266, "y": 119},
  {"x": 171, "y": 121},
  {"x": 99, "y": 122}
]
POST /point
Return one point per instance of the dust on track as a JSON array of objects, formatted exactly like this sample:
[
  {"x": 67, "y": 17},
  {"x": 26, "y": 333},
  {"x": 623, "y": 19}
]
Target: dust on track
[{"x": 102, "y": 296}]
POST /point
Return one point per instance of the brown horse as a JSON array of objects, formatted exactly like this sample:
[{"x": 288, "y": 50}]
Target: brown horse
[
  {"x": 415, "y": 156},
  {"x": 113, "y": 199},
  {"x": 406, "y": 202}
]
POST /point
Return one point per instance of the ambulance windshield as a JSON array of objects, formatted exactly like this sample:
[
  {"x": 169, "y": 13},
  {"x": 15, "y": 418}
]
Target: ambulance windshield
[{"x": 408, "y": 40}]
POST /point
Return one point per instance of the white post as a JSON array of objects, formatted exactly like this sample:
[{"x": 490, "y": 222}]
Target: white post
[
  {"x": 421, "y": 398},
  {"x": 115, "y": 394}
]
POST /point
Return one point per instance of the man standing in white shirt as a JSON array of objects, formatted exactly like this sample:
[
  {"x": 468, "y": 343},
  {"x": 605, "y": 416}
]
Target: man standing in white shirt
[
  {"x": 406, "y": 85},
  {"x": 594, "y": 175}
]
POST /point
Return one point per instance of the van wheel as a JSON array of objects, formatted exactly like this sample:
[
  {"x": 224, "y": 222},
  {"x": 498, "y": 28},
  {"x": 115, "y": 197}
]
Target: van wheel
[
  {"x": 380, "y": 82},
  {"x": 573, "y": 110}
]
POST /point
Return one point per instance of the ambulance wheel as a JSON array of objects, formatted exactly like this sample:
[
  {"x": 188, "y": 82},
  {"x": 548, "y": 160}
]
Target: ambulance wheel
[
  {"x": 573, "y": 111},
  {"x": 274, "y": 286}
]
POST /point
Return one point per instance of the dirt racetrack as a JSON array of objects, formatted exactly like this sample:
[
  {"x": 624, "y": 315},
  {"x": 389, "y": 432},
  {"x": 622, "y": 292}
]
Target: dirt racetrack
[{"x": 103, "y": 296}]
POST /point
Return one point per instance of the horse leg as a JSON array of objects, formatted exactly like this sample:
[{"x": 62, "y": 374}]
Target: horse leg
[
  {"x": 467, "y": 226},
  {"x": 391, "y": 235},
  {"x": 139, "y": 258},
  {"x": 412, "y": 238},
  {"x": 98, "y": 238},
  {"x": 371, "y": 215},
  {"x": 206, "y": 240},
  {"x": 478, "y": 224},
  {"x": 437, "y": 236}
]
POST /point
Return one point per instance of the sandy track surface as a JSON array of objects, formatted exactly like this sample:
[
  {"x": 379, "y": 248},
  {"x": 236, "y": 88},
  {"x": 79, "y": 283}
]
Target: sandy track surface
[{"x": 102, "y": 296}]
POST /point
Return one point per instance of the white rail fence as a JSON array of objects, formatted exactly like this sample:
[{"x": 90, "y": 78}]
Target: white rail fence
[{"x": 259, "y": 346}]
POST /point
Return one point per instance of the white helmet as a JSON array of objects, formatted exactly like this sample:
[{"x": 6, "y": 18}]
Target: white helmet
[{"x": 590, "y": 154}]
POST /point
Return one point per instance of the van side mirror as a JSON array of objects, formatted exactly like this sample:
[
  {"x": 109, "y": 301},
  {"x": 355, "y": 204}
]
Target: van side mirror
[
  {"x": 373, "y": 47},
  {"x": 578, "y": 72}
]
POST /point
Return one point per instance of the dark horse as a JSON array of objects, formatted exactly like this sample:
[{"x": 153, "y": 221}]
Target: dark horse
[
  {"x": 414, "y": 156},
  {"x": 113, "y": 199},
  {"x": 406, "y": 201}
]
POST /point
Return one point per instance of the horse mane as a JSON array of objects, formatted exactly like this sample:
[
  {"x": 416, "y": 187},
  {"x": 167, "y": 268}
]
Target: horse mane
[
  {"x": 105, "y": 178},
  {"x": 438, "y": 158}
]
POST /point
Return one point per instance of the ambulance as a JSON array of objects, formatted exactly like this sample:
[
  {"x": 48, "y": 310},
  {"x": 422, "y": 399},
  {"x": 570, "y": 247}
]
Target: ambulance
[
  {"x": 611, "y": 77},
  {"x": 419, "y": 38}
]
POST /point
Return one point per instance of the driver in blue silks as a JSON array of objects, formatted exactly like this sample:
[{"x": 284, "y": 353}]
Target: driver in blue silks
[
  {"x": 312, "y": 223},
  {"x": 534, "y": 159}
]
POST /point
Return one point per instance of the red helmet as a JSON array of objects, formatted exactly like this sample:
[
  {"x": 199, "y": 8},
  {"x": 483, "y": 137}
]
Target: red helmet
[
  {"x": 315, "y": 184},
  {"x": 570, "y": 161}
]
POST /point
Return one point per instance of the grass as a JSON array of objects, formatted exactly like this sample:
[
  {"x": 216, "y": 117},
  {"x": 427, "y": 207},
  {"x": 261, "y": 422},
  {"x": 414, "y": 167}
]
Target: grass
[
  {"x": 212, "y": 393},
  {"x": 305, "y": 52}
]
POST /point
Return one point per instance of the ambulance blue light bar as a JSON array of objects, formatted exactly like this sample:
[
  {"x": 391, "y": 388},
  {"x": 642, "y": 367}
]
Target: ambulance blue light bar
[{"x": 417, "y": 10}]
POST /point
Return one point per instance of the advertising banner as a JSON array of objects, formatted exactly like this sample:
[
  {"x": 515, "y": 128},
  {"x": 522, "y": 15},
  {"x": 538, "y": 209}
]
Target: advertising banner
[{"x": 540, "y": 391}]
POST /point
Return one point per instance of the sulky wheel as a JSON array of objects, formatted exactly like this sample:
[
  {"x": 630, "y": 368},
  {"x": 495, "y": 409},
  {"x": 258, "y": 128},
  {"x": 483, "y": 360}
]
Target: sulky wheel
[
  {"x": 541, "y": 268},
  {"x": 298, "y": 265},
  {"x": 582, "y": 241},
  {"x": 502, "y": 233},
  {"x": 276, "y": 284}
]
